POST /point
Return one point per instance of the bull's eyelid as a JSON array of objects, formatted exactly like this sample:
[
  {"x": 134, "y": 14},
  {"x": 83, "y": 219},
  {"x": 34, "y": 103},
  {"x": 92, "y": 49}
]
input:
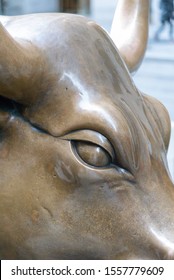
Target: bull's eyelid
[{"x": 93, "y": 137}]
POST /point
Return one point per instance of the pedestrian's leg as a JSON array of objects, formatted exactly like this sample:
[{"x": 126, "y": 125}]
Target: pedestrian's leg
[
  {"x": 171, "y": 30},
  {"x": 159, "y": 30}
]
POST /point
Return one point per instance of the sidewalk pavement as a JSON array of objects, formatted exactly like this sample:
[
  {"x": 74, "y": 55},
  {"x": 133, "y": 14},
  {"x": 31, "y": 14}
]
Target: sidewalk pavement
[{"x": 160, "y": 50}]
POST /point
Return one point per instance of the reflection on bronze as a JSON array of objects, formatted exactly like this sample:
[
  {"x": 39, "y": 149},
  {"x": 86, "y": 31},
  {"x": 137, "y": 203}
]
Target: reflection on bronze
[
  {"x": 131, "y": 19},
  {"x": 83, "y": 153}
]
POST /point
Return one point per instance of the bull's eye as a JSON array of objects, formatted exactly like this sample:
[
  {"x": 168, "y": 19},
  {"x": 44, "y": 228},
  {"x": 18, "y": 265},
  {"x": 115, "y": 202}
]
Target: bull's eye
[{"x": 92, "y": 154}]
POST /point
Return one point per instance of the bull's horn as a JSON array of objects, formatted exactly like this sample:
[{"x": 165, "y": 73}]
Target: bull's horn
[
  {"x": 21, "y": 68},
  {"x": 129, "y": 30}
]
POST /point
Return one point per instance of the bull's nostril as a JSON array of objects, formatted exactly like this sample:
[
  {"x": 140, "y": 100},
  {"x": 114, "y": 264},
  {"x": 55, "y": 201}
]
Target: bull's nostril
[
  {"x": 163, "y": 246},
  {"x": 164, "y": 253},
  {"x": 169, "y": 256}
]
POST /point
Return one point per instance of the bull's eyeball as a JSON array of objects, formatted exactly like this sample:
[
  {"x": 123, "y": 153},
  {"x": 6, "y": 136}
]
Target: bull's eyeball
[{"x": 92, "y": 154}]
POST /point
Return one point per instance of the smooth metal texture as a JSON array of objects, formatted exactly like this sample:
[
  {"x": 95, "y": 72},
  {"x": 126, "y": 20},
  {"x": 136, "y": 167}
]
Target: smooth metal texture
[
  {"x": 83, "y": 162},
  {"x": 129, "y": 31}
]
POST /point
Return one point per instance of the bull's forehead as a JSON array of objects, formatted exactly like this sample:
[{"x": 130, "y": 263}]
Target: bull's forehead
[
  {"x": 75, "y": 48},
  {"x": 91, "y": 87},
  {"x": 87, "y": 72}
]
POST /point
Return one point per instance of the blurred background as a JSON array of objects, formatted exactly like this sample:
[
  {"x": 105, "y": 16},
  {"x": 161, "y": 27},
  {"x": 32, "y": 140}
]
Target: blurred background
[{"x": 156, "y": 75}]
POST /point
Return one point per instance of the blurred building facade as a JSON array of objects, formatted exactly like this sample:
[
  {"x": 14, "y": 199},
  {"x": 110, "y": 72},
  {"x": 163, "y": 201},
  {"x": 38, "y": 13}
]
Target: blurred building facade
[
  {"x": 101, "y": 11},
  {"x": 18, "y": 7}
]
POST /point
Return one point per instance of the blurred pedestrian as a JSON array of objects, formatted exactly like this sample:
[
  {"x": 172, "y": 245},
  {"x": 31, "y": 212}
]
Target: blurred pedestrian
[{"x": 167, "y": 16}]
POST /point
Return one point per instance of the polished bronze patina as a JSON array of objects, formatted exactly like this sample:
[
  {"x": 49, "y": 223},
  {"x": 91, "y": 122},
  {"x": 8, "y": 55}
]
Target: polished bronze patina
[{"x": 83, "y": 153}]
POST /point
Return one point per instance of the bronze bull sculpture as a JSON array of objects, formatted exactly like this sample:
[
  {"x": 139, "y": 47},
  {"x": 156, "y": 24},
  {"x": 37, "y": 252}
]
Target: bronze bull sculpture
[{"x": 83, "y": 153}]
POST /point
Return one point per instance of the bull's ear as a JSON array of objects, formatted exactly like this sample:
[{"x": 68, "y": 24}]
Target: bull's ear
[
  {"x": 161, "y": 117},
  {"x": 22, "y": 69},
  {"x": 129, "y": 31}
]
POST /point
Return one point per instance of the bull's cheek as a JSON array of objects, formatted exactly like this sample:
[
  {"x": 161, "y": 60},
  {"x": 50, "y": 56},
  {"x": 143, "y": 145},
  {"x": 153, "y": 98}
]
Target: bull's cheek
[
  {"x": 28, "y": 189},
  {"x": 97, "y": 199},
  {"x": 56, "y": 196}
]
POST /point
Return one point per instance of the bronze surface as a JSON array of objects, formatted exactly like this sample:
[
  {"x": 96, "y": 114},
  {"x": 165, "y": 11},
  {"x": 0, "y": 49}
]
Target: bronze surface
[{"x": 83, "y": 162}]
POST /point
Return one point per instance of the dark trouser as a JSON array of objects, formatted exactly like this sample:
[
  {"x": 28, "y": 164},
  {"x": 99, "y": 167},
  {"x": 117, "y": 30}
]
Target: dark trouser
[{"x": 160, "y": 29}]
